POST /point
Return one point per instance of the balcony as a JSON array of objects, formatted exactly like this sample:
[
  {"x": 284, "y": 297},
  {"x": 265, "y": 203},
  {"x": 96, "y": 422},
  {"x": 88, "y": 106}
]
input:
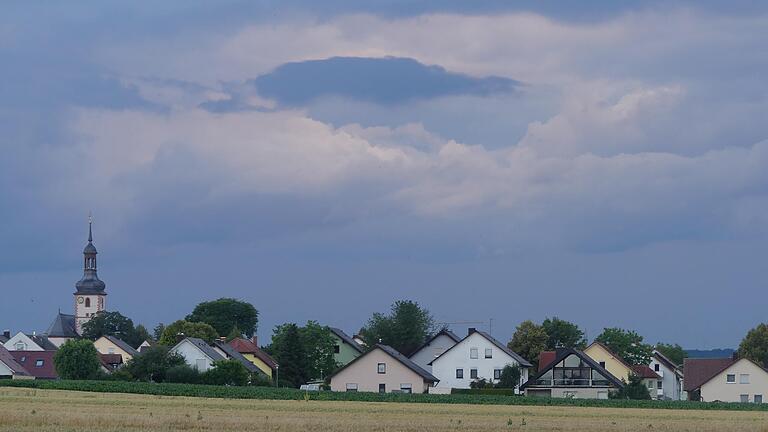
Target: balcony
[{"x": 571, "y": 383}]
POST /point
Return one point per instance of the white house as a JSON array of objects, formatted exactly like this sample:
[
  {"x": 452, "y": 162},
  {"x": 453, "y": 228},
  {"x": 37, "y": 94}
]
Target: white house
[
  {"x": 726, "y": 380},
  {"x": 670, "y": 384},
  {"x": 26, "y": 342},
  {"x": 10, "y": 368},
  {"x": 476, "y": 356},
  {"x": 433, "y": 348},
  {"x": 197, "y": 353}
]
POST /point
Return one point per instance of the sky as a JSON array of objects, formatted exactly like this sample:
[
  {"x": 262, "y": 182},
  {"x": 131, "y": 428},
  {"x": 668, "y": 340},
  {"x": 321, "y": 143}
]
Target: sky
[{"x": 605, "y": 162}]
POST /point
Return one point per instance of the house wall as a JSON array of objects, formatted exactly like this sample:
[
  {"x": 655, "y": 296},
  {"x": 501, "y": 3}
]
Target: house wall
[
  {"x": 718, "y": 389},
  {"x": 84, "y": 314},
  {"x": 5, "y": 370},
  {"x": 58, "y": 341},
  {"x": 671, "y": 384},
  {"x": 103, "y": 346},
  {"x": 29, "y": 344},
  {"x": 445, "y": 367},
  {"x": 259, "y": 364},
  {"x": 192, "y": 354},
  {"x": 612, "y": 364},
  {"x": 346, "y": 353},
  {"x": 430, "y": 352},
  {"x": 364, "y": 373},
  {"x": 574, "y": 392}
]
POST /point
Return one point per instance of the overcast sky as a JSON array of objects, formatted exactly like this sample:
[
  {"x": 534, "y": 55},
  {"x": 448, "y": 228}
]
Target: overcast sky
[{"x": 605, "y": 162}]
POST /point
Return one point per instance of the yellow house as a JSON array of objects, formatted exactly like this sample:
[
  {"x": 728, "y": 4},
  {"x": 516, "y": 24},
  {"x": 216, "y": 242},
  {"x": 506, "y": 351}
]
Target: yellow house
[
  {"x": 255, "y": 355},
  {"x": 609, "y": 360},
  {"x": 113, "y": 345}
]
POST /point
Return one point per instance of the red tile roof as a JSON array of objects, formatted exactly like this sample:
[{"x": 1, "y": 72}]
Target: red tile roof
[
  {"x": 699, "y": 371},
  {"x": 244, "y": 346},
  {"x": 29, "y": 360},
  {"x": 644, "y": 371},
  {"x": 546, "y": 358}
]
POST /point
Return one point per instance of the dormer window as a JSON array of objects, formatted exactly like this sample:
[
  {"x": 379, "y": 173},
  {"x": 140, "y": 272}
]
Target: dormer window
[{"x": 20, "y": 346}]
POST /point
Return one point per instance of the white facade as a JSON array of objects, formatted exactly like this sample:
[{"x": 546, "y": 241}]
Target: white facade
[
  {"x": 474, "y": 357},
  {"x": 22, "y": 342},
  {"x": 743, "y": 381},
  {"x": 671, "y": 387},
  {"x": 432, "y": 350},
  {"x": 86, "y": 307},
  {"x": 194, "y": 356}
]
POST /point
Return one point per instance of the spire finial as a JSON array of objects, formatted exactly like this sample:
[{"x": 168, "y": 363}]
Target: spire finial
[{"x": 90, "y": 230}]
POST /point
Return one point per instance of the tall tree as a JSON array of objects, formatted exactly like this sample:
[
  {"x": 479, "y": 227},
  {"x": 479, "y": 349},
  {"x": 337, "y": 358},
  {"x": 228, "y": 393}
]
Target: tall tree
[
  {"x": 529, "y": 340},
  {"x": 754, "y": 346},
  {"x": 627, "y": 344},
  {"x": 563, "y": 334},
  {"x": 181, "y": 329},
  {"x": 225, "y": 314},
  {"x": 317, "y": 344},
  {"x": 405, "y": 329},
  {"x": 289, "y": 354},
  {"x": 674, "y": 352},
  {"x": 112, "y": 324},
  {"x": 77, "y": 360}
]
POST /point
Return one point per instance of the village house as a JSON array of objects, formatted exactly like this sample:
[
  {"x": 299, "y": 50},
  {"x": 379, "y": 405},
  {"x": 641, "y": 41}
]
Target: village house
[
  {"x": 382, "y": 369},
  {"x": 433, "y": 348},
  {"x": 29, "y": 342},
  {"x": 726, "y": 380},
  {"x": 611, "y": 361},
  {"x": 113, "y": 345},
  {"x": 670, "y": 385},
  {"x": 230, "y": 353},
  {"x": 251, "y": 351},
  {"x": 197, "y": 353},
  {"x": 10, "y": 368},
  {"x": 569, "y": 373},
  {"x": 345, "y": 349},
  {"x": 38, "y": 364}
]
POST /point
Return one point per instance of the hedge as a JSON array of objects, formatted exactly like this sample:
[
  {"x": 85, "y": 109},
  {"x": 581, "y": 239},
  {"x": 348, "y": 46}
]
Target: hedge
[
  {"x": 485, "y": 391},
  {"x": 270, "y": 393}
]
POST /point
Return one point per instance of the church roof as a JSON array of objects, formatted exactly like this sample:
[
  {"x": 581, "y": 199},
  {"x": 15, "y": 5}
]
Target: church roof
[
  {"x": 90, "y": 284},
  {"x": 63, "y": 326},
  {"x": 90, "y": 249}
]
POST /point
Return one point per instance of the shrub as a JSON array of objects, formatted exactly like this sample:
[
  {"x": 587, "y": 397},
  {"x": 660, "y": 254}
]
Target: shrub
[
  {"x": 184, "y": 374},
  {"x": 77, "y": 359},
  {"x": 226, "y": 372},
  {"x": 510, "y": 377},
  {"x": 153, "y": 364},
  {"x": 634, "y": 390},
  {"x": 261, "y": 380}
]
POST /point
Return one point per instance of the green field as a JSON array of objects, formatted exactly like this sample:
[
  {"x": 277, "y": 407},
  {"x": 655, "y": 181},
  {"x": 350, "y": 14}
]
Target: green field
[{"x": 36, "y": 410}]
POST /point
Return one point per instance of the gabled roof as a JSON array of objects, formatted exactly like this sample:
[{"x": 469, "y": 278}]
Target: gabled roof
[
  {"x": 7, "y": 359},
  {"x": 3, "y": 339},
  {"x": 244, "y": 346},
  {"x": 346, "y": 339},
  {"x": 122, "y": 345},
  {"x": 667, "y": 362},
  {"x": 63, "y": 326},
  {"x": 616, "y": 356},
  {"x": 29, "y": 360},
  {"x": 110, "y": 362},
  {"x": 235, "y": 355},
  {"x": 405, "y": 361},
  {"x": 443, "y": 332},
  {"x": 521, "y": 361},
  {"x": 699, "y": 371},
  {"x": 561, "y": 354},
  {"x": 203, "y": 346},
  {"x": 645, "y": 372},
  {"x": 41, "y": 341}
]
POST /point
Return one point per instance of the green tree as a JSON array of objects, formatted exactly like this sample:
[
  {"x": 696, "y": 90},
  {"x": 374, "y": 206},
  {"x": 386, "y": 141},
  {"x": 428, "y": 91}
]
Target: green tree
[
  {"x": 226, "y": 372},
  {"x": 153, "y": 364},
  {"x": 157, "y": 332},
  {"x": 529, "y": 340},
  {"x": 754, "y": 346},
  {"x": 405, "y": 329},
  {"x": 140, "y": 335},
  {"x": 225, "y": 314},
  {"x": 180, "y": 329},
  {"x": 77, "y": 360},
  {"x": 510, "y": 377},
  {"x": 183, "y": 374},
  {"x": 635, "y": 389},
  {"x": 627, "y": 344},
  {"x": 563, "y": 334},
  {"x": 289, "y": 354},
  {"x": 674, "y": 352},
  {"x": 317, "y": 342}
]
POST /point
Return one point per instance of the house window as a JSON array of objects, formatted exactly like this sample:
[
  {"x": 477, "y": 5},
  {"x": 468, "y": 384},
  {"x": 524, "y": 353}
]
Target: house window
[
  {"x": 473, "y": 373},
  {"x": 488, "y": 353},
  {"x": 87, "y": 302},
  {"x": 730, "y": 378},
  {"x": 20, "y": 346},
  {"x": 744, "y": 379},
  {"x": 336, "y": 349},
  {"x": 200, "y": 364},
  {"x": 650, "y": 385},
  {"x": 382, "y": 388},
  {"x": 659, "y": 384},
  {"x": 351, "y": 387},
  {"x": 459, "y": 373},
  {"x": 39, "y": 363},
  {"x": 759, "y": 398},
  {"x": 602, "y": 364},
  {"x": 382, "y": 368},
  {"x": 656, "y": 367},
  {"x": 497, "y": 374},
  {"x": 406, "y": 388},
  {"x": 473, "y": 353},
  {"x": 23, "y": 359},
  {"x": 744, "y": 398}
]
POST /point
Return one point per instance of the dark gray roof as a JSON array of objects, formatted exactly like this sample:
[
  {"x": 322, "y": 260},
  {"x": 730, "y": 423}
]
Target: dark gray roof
[
  {"x": 348, "y": 340},
  {"x": 234, "y": 355},
  {"x": 204, "y": 347},
  {"x": 63, "y": 326},
  {"x": 399, "y": 357},
  {"x": 7, "y": 359},
  {"x": 520, "y": 360},
  {"x": 43, "y": 342},
  {"x": 443, "y": 332},
  {"x": 123, "y": 345},
  {"x": 3, "y": 339},
  {"x": 562, "y": 353}
]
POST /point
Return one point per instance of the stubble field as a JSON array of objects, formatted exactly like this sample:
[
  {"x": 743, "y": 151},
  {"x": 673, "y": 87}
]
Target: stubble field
[{"x": 55, "y": 410}]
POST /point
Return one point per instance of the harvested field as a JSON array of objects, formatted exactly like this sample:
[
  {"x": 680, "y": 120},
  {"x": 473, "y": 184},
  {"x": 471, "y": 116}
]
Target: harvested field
[{"x": 55, "y": 410}]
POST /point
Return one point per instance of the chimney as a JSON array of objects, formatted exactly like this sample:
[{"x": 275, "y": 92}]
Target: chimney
[
  {"x": 471, "y": 330},
  {"x": 7, "y": 334},
  {"x": 255, "y": 340}
]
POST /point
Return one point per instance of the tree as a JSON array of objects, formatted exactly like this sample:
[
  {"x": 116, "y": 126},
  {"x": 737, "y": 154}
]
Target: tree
[
  {"x": 77, "y": 360},
  {"x": 140, "y": 335},
  {"x": 510, "y": 377},
  {"x": 317, "y": 343},
  {"x": 117, "y": 325},
  {"x": 529, "y": 341},
  {"x": 153, "y": 364},
  {"x": 627, "y": 344},
  {"x": 226, "y": 372},
  {"x": 184, "y": 374},
  {"x": 289, "y": 354},
  {"x": 157, "y": 332},
  {"x": 181, "y": 329},
  {"x": 675, "y": 352},
  {"x": 405, "y": 329},
  {"x": 635, "y": 389},
  {"x": 754, "y": 346},
  {"x": 225, "y": 314},
  {"x": 563, "y": 334}
]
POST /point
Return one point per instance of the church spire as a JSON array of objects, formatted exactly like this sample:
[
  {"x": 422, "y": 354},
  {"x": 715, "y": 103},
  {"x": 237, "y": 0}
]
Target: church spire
[
  {"x": 90, "y": 281},
  {"x": 90, "y": 230}
]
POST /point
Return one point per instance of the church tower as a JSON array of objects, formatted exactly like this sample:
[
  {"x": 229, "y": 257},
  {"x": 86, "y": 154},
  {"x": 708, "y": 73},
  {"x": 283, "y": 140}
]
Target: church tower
[{"x": 90, "y": 297}]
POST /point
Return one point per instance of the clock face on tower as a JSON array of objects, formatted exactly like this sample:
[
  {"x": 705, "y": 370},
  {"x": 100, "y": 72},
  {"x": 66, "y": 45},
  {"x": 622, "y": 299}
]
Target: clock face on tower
[{"x": 80, "y": 300}]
